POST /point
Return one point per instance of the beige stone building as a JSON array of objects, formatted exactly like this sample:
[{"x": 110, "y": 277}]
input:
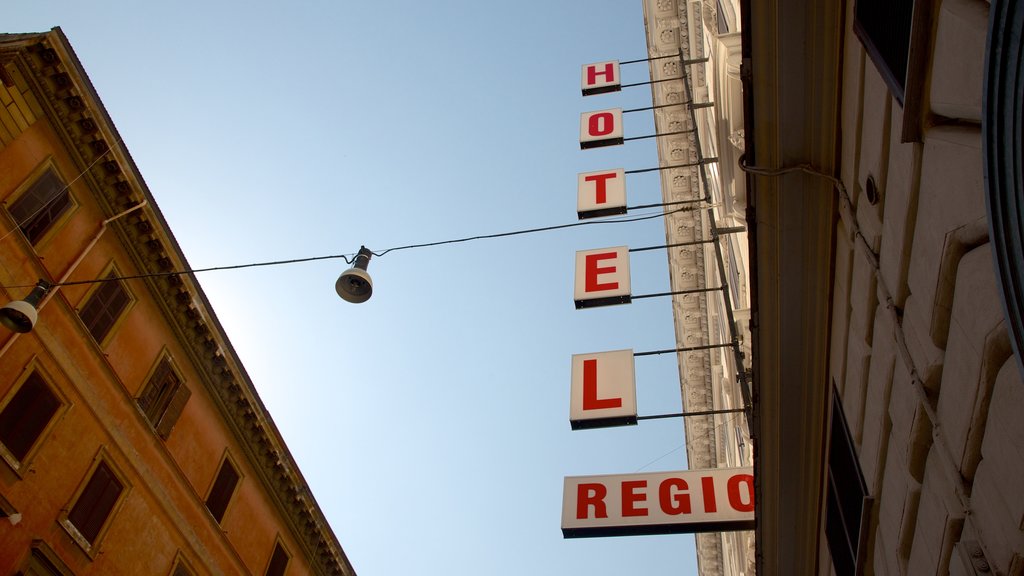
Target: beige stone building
[
  {"x": 880, "y": 222},
  {"x": 695, "y": 59},
  {"x": 888, "y": 398}
]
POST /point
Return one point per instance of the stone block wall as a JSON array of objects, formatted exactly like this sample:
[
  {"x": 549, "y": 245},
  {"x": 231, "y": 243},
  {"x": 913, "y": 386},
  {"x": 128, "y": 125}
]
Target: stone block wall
[{"x": 920, "y": 354}]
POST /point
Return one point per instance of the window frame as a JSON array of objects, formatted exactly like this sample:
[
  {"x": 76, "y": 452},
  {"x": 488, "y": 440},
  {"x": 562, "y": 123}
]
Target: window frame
[
  {"x": 167, "y": 408},
  {"x": 91, "y": 548},
  {"x": 225, "y": 459},
  {"x": 278, "y": 545},
  {"x": 845, "y": 447},
  {"x": 110, "y": 270},
  {"x": 912, "y": 95},
  {"x": 34, "y": 367},
  {"x": 41, "y": 556},
  {"x": 181, "y": 567},
  {"x": 865, "y": 31},
  {"x": 48, "y": 165}
]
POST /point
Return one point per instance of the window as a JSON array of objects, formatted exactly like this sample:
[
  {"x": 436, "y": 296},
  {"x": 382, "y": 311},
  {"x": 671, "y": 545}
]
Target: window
[
  {"x": 223, "y": 488},
  {"x": 94, "y": 505},
  {"x": 43, "y": 562},
  {"x": 884, "y": 27},
  {"x": 105, "y": 306},
  {"x": 39, "y": 207},
  {"x": 847, "y": 500},
  {"x": 163, "y": 398},
  {"x": 278, "y": 561},
  {"x": 181, "y": 567},
  {"x": 25, "y": 417}
]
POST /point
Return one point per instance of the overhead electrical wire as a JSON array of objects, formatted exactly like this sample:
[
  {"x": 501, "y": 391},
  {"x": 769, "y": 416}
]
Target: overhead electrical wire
[{"x": 349, "y": 258}]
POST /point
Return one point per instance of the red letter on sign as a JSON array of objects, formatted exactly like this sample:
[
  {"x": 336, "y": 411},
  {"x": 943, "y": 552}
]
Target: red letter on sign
[
  {"x": 601, "y": 181},
  {"x": 591, "y": 494},
  {"x": 590, "y": 399},
  {"x": 707, "y": 486},
  {"x": 592, "y": 74},
  {"x": 736, "y": 496},
  {"x": 674, "y": 503},
  {"x": 630, "y": 498},
  {"x": 601, "y": 124},
  {"x": 592, "y": 272}
]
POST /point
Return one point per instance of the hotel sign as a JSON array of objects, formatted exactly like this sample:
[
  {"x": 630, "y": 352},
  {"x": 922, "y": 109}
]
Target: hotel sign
[
  {"x": 603, "y": 390},
  {"x": 712, "y": 500},
  {"x": 602, "y": 277},
  {"x": 601, "y": 128},
  {"x": 600, "y": 77},
  {"x": 601, "y": 193}
]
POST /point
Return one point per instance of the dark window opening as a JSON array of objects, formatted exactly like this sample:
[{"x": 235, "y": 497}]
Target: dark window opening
[
  {"x": 181, "y": 570},
  {"x": 278, "y": 562},
  {"x": 223, "y": 488},
  {"x": 847, "y": 498},
  {"x": 25, "y": 417},
  {"x": 884, "y": 27}
]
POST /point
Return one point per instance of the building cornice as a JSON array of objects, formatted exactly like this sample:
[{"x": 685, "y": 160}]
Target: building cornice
[{"x": 76, "y": 113}]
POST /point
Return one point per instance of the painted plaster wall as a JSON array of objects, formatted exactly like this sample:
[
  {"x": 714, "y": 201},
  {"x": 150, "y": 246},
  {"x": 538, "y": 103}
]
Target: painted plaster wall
[{"x": 161, "y": 515}]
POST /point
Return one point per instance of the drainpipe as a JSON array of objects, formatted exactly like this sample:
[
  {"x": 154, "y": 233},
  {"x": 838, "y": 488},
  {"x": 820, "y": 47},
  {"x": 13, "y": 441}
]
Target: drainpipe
[{"x": 67, "y": 273}]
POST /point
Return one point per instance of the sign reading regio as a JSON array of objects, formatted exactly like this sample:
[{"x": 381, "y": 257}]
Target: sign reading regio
[{"x": 715, "y": 500}]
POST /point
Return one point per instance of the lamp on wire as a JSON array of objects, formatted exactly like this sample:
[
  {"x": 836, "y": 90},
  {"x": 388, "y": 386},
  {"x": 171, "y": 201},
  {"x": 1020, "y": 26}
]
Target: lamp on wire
[
  {"x": 354, "y": 285},
  {"x": 20, "y": 315}
]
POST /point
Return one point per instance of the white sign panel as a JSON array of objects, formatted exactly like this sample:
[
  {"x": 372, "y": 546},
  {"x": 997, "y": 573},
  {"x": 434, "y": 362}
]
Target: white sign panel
[
  {"x": 601, "y": 128},
  {"x": 714, "y": 500},
  {"x": 600, "y": 77},
  {"x": 603, "y": 390},
  {"x": 601, "y": 193},
  {"x": 602, "y": 277}
]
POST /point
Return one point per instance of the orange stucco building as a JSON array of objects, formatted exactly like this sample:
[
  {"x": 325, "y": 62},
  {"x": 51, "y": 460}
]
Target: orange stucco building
[{"x": 131, "y": 439}]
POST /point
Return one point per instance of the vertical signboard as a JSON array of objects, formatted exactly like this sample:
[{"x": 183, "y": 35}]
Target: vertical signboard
[
  {"x": 603, "y": 390},
  {"x": 601, "y": 193},
  {"x": 602, "y": 277},
  {"x": 600, "y": 77},
  {"x": 715, "y": 500},
  {"x": 601, "y": 128}
]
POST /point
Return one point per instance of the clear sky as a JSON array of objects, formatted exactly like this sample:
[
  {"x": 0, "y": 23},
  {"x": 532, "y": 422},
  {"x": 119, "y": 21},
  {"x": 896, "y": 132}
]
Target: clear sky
[{"x": 432, "y": 421}]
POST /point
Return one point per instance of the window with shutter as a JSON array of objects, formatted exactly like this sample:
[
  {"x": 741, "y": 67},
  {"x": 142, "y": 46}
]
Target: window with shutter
[
  {"x": 43, "y": 561},
  {"x": 163, "y": 398},
  {"x": 222, "y": 490},
  {"x": 26, "y": 415},
  {"x": 36, "y": 211},
  {"x": 95, "y": 503},
  {"x": 106, "y": 304}
]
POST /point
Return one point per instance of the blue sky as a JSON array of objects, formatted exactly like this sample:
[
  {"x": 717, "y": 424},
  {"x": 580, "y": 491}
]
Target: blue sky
[{"x": 432, "y": 421}]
